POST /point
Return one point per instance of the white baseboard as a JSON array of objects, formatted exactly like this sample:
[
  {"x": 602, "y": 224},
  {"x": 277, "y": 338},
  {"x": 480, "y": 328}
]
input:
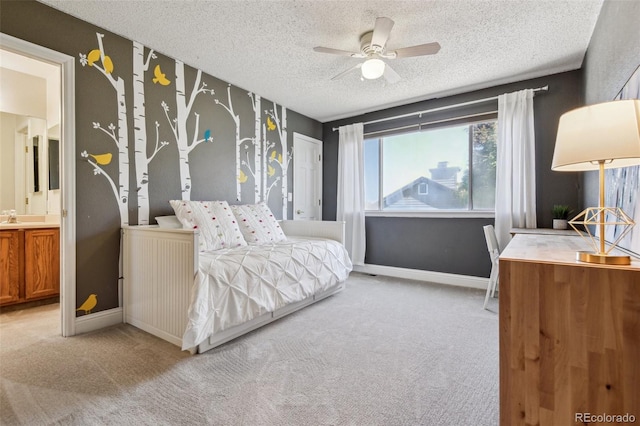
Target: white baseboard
[
  {"x": 420, "y": 275},
  {"x": 102, "y": 319}
]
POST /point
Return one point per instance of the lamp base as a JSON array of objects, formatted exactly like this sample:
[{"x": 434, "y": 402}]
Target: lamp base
[{"x": 602, "y": 259}]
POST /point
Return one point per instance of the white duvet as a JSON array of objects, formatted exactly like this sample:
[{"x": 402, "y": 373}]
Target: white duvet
[{"x": 235, "y": 285}]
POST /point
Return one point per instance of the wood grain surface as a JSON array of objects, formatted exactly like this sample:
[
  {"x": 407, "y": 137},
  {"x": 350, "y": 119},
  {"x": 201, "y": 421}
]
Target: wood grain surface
[{"x": 569, "y": 335}]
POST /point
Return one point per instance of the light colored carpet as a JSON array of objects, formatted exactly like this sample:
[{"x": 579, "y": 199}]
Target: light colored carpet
[{"x": 382, "y": 352}]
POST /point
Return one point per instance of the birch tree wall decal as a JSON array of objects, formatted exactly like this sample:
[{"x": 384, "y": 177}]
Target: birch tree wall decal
[
  {"x": 241, "y": 177},
  {"x": 258, "y": 170},
  {"x": 255, "y": 170},
  {"x": 178, "y": 124},
  {"x": 268, "y": 170},
  {"x": 101, "y": 62},
  {"x": 271, "y": 171},
  {"x": 282, "y": 159},
  {"x": 142, "y": 160}
]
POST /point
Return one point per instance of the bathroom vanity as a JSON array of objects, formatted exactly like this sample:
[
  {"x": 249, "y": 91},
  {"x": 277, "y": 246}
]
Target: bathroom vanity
[{"x": 29, "y": 261}]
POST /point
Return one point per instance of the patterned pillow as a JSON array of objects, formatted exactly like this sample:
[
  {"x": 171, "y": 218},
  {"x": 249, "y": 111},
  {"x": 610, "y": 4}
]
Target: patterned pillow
[
  {"x": 214, "y": 219},
  {"x": 257, "y": 223}
]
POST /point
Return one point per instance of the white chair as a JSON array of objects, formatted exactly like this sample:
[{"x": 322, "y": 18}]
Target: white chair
[{"x": 494, "y": 254}]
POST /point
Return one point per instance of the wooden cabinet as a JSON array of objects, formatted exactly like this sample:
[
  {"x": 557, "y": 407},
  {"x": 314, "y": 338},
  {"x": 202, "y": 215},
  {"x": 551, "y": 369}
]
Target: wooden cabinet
[
  {"x": 29, "y": 265},
  {"x": 41, "y": 263},
  {"x": 11, "y": 266},
  {"x": 569, "y": 334}
]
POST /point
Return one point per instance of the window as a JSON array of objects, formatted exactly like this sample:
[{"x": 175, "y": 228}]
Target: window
[{"x": 439, "y": 169}]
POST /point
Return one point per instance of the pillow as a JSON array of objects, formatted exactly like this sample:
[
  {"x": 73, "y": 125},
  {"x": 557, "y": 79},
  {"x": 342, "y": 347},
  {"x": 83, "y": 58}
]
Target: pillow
[
  {"x": 170, "y": 222},
  {"x": 214, "y": 219},
  {"x": 257, "y": 223}
]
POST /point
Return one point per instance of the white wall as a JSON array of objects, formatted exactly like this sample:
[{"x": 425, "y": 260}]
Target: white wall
[
  {"x": 10, "y": 61},
  {"x": 23, "y": 94}
]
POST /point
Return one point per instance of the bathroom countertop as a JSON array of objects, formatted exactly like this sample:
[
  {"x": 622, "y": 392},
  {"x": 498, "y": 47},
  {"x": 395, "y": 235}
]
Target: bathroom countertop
[{"x": 28, "y": 225}]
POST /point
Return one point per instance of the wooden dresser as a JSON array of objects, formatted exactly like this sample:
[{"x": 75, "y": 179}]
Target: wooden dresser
[{"x": 569, "y": 335}]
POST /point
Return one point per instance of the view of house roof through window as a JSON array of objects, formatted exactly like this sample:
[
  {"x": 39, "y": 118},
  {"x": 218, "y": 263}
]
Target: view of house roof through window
[{"x": 440, "y": 169}]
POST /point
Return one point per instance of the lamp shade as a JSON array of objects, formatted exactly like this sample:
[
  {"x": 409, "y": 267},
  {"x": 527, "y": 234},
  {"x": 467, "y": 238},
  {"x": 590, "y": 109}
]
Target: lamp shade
[
  {"x": 608, "y": 132},
  {"x": 373, "y": 68}
]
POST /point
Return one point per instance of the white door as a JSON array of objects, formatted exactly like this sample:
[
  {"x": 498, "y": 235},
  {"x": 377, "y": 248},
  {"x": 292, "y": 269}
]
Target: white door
[{"x": 307, "y": 178}]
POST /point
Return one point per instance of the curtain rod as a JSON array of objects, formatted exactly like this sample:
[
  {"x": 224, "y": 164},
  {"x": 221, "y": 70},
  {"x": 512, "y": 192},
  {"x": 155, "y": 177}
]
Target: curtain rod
[
  {"x": 477, "y": 101},
  {"x": 419, "y": 125}
]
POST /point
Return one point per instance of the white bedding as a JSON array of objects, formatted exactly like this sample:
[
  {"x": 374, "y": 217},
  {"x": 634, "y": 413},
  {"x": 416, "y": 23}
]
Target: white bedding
[{"x": 235, "y": 285}]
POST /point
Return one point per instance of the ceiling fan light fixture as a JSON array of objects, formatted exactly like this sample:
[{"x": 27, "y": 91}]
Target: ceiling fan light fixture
[
  {"x": 373, "y": 50},
  {"x": 373, "y": 68}
]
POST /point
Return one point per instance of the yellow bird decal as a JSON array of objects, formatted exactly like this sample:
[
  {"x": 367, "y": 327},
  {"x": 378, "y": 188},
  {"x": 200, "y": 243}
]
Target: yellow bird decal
[
  {"x": 160, "y": 77},
  {"x": 271, "y": 171},
  {"x": 108, "y": 65},
  {"x": 89, "y": 304},
  {"x": 270, "y": 124},
  {"x": 102, "y": 159},
  {"x": 93, "y": 56},
  {"x": 242, "y": 178}
]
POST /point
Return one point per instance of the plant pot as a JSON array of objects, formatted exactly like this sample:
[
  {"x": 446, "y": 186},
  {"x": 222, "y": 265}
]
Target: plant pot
[{"x": 560, "y": 224}]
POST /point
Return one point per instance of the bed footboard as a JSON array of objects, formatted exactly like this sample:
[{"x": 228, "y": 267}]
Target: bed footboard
[{"x": 159, "y": 268}]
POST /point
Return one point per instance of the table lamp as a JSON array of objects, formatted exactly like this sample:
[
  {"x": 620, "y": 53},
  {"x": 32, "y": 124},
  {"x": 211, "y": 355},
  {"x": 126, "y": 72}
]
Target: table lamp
[{"x": 598, "y": 137}]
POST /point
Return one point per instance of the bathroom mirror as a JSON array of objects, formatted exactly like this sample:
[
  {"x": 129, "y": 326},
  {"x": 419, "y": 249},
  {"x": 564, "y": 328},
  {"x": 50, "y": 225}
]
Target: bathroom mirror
[
  {"x": 24, "y": 164},
  {"x": 29, "y": 119}
]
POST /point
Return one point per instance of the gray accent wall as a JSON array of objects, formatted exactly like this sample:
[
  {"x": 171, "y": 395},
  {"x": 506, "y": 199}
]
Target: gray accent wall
[
  {"x": 212, "y": 163},
  {"x": 614, "y": 51},
  {"x": 457, "y": 245},
  {"x": 612, "y": 57}
]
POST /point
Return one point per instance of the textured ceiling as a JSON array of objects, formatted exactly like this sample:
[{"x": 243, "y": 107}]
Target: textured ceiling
[{"x": 266, "y": 46}]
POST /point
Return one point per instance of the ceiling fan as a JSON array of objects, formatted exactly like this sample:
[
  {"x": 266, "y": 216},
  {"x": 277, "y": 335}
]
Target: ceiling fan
[{"x": 373, "y": 50}]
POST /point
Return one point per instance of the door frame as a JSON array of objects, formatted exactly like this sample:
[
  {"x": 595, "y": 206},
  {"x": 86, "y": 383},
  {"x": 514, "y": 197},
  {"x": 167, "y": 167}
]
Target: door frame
[
  {"x": 67, "y": 171},
  {"x": 300, "y": 137}
]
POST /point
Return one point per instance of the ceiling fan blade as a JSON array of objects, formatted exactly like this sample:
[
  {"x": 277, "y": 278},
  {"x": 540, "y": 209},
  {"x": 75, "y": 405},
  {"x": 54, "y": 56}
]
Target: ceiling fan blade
[
  {"x": 419, "y": 50},
  {"x": 337, "y": 52},
  {"x": 381, "y": 32},
  {"x": 390, "y": 75},
  {"x": 353, "y": 68}
]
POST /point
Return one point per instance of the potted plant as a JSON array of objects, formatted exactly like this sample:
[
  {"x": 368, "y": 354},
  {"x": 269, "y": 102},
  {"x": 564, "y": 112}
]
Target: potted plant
[{"x": 561, "y": 214}]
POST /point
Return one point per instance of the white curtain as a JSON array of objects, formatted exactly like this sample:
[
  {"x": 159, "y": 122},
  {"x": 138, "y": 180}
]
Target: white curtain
[
  {"x": 350, "y": 206},
  {"x": 516, "y": 165}
]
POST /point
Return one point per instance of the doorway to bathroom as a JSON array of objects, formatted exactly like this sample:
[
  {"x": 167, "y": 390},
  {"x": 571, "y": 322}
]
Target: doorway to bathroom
[{"x": 36, "y": 153}]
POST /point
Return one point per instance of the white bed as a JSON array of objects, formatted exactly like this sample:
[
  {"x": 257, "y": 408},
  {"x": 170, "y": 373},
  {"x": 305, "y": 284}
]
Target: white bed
[{"x": 199, "y": 300}]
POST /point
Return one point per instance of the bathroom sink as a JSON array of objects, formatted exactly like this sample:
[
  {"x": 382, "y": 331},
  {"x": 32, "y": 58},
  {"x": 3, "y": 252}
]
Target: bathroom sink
[{"x": 31, "y": 221}]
